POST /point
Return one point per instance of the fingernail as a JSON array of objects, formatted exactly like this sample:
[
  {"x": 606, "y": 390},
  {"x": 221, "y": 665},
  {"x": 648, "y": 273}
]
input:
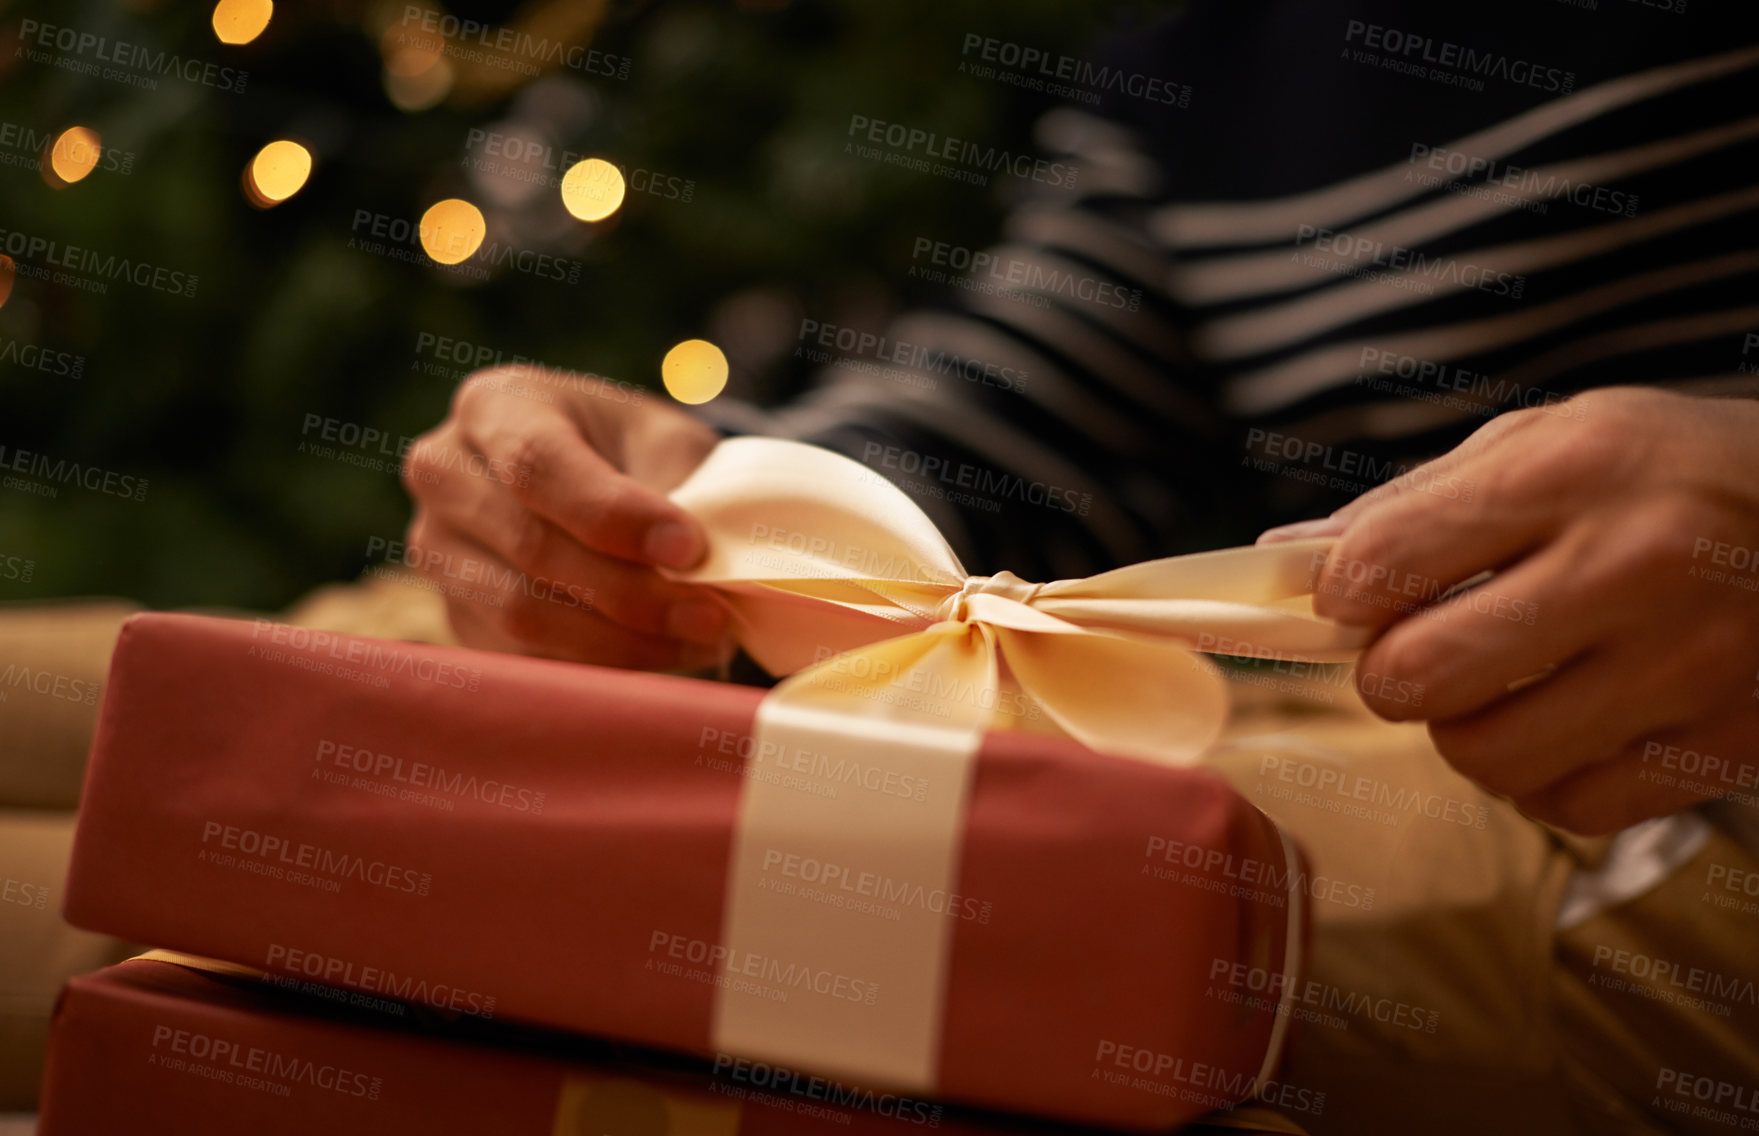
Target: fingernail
[
  {"x": 1304, "y": 530},
  {"x": 700, "y": 621},
  {"x": 673, "y": 544}
]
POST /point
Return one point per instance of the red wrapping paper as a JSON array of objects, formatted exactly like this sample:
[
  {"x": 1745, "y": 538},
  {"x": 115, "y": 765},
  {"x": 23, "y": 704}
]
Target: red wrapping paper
[
  {"x": 505, "y": 836},
  {"x": 151, "y": 1047}
]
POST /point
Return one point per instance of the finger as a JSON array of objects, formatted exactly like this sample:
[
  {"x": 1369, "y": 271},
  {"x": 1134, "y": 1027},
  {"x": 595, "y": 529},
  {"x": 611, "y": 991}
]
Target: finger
[
  {"x": 631, "y": 594},
  {"x": 1304, "y": 530},
  {"x": 1425, "y": 477},
  {"x": 486, "y": 629},
  {"x": 1547, "y": 731},
  {"x": 1716, "y": 758},
  {"x": 1638, "y": 783},
  {"x": 1412, "y": 548},
  {"x": 426, "y": 471},
  {"x": 522, "y": 622},
  {"x": 550, "y": 468},
  {"x": 1466, "y": 652}
]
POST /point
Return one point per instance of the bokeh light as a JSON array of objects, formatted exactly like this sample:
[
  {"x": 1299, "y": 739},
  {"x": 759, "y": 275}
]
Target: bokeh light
[
  {"x": 592, "y": 190},
  {"x": 279, "y": 171},
  {"x": 421, "y": 90},
  {"x": 452, "y": 229},
  {"x": 694, "y": 371},
  {"x": 417, "y": 73},
  {"x": 409, "y": 53},
  {"x": 240, "y": 21},
  {"x": 74, "y": 155}
]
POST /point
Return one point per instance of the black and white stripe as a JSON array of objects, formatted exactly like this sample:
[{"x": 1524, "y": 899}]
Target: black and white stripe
[{"x": 1210, "y": 214}]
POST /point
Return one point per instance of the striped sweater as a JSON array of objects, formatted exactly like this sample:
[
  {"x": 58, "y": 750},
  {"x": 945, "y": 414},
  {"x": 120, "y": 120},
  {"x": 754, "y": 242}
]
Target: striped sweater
[{"x": 1360, "y": 231}]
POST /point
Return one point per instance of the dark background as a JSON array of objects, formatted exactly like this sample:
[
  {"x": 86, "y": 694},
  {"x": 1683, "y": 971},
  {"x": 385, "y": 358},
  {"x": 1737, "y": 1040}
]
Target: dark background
[{"x": 743, "y": 109}]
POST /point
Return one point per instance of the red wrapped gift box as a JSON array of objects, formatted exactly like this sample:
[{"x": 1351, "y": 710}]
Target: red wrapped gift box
[
  {"x": 153, "y": 1046},
  {"x": 497, "y": 835}
]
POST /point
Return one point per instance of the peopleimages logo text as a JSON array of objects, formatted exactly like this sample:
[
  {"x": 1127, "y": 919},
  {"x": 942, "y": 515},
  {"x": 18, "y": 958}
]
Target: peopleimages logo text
[
  {"x": 29, "y": 144},
  {"x": 142, "y": 60},
  {"x": 407, "y": 233},
  {"x": 512, "y": 41},
  {"x": 963, "y": 152},
  {"x": 73, "y": 258},
  {"x": 1399, "y": 258},
  {"x": 1040, "y": 69},
  {"x": 235, "y": 1061},
  {"x": 1457, "y": 57},
  {"x": 60, "y": 364},
  {"x": 66, "y": 472},
  {"x": 377, "y": 980},
  {"x": 778, "y": 1079}
]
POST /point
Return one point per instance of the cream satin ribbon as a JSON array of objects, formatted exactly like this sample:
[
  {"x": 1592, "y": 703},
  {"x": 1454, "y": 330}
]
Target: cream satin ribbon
[{"x": 899, "y": 661}]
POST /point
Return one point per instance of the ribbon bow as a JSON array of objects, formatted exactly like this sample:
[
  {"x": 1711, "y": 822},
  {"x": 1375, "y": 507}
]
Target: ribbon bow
[{"x": 836, "y": 578}]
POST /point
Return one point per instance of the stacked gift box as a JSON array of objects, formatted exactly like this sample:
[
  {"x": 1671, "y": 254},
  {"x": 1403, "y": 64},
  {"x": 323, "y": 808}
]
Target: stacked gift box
[
  {"x": 173, "y": 1044},
  {"x": 825, "y": 879}
]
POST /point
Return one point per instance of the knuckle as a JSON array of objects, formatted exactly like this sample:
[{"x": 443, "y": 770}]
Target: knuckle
[
  {"x": 475, "y": 392},
  {"x": 533, "y": 457},
  {"x": 1653, "y": 547},
  {"x": 1369, "y": 544},
  {"x": 1361, "y": 557},
  {"x": 1624, "y": 400},
  {"x": 1497, "y": 488},
  {"x": 1415, "y": 479},
  {"x": 532, "y": 541},
  {"x": 1596, "y": 448},
  {"x": 1504, "y": 424}
]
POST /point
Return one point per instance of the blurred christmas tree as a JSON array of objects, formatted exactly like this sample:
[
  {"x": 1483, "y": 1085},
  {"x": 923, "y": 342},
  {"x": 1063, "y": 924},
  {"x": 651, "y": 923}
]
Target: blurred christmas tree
[{"x": 259, "y": 364}]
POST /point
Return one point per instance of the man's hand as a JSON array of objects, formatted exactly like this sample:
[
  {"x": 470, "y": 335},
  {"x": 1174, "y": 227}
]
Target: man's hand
[
  {"x": 1609, "y": 671},
  {"x": 541, "y": 511}
]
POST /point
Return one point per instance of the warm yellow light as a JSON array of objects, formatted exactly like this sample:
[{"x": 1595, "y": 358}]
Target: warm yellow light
[
  {"x": 7, "y": 272},
  {"x": 410, "y": 53},
  {"x": 75, "y": 154},
  {"x": 452, "y": 229},
  {"x": 417, "y": 73},
  {"x": 240, "y": 21},
  {"x": 279, "y": 170},
  {"x": 420, "y": 88},
  {"x": 592, "y": 190},
  {"x": 694, "y": 371}
]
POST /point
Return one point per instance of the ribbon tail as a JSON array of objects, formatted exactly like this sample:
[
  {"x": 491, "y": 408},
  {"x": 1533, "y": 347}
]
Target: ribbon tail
[
  {"x": 873, "y": 754},
  {"x": 931, "y": 678},
  {"x": 1127, "y": 696}
]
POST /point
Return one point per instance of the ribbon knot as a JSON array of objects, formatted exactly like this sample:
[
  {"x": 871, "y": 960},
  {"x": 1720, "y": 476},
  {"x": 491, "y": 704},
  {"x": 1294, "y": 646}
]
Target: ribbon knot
[
  {"x": 957, "y": 609},
  {"x": 836, "y": 578}
]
